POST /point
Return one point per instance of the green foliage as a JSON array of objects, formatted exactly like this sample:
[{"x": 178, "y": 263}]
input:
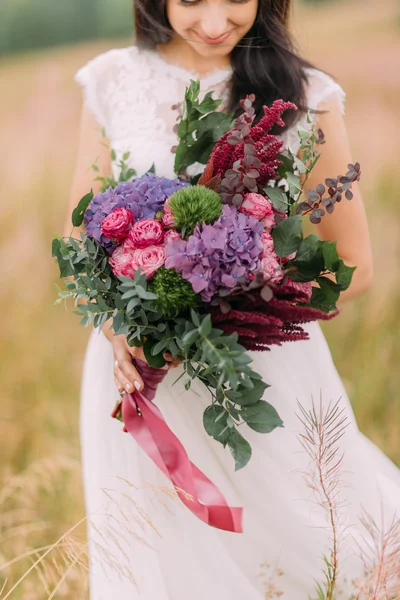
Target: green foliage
[
  {"x": 126, "y": 173},
  {"x": 79, "y": 212},
  {"x": 261, "y": 417},
  {"x": 152, "y": 313},
  {"x": 288, "y": 235},
  {"x": 199, "y": 128},
  {"x": 314, "y": 260},
  {"x": 174, "y": 294},
  {"x": 192, "y": 205},
  {"x": 207, "y": 353},
  {"x": 278, "y": 198},
  {"x": 224, "y": 367}
]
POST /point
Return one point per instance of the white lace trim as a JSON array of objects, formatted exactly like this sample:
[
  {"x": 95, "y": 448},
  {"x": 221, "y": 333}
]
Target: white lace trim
[
  {"x": 214, "y": 77},
  {"x": 130, "y": 92}
]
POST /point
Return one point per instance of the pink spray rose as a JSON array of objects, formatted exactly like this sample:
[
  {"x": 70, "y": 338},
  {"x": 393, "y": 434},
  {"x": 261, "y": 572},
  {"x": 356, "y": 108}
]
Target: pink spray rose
[
  {"x": 272, "y": 269},
  {"x": 146, "y": 232},
  {"x": 303, "y": 287},
  {"x": 269, "y": 220},
  {"x": 126, "y": 260},
  {"x": 258, "y": 206},
  {"x": 269, "y": 259},
  {"x": 168, "y": 219},
  {"x": 167, "y": 208},
  {"x": 117, "y": 224},
  {"x": 149, "y": 259},
  {"x": 121, "y": 261},
  {"x": 171, "y": 234}
]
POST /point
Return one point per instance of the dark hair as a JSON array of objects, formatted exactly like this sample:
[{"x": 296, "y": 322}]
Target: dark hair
[{"x": 264, "y": 62}]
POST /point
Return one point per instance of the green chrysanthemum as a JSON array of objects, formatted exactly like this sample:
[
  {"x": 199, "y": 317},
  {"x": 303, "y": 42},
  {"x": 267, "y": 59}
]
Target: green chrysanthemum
[
  {"x": 192, "y": 205},
  {"x": 174, "y": 294}
]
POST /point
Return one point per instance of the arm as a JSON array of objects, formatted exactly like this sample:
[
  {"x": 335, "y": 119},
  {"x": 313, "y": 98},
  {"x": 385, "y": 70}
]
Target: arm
[
  {"x": 90, "y": 146},
  {"x": 348, "y": 223}
]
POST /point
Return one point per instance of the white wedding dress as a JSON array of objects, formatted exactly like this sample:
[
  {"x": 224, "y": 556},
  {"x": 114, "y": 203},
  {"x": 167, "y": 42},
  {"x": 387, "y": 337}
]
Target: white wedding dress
[{"x": 143, "y": 542}]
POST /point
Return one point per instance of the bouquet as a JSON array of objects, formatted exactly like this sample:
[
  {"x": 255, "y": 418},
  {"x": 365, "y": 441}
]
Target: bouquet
[{"x": 208, "y": 267}]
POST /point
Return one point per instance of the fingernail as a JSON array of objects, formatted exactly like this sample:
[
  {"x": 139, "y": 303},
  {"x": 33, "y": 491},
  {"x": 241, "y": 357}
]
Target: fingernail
[
  {"x": 128, "y": 387},
  {"x": 137, "y": 385}
]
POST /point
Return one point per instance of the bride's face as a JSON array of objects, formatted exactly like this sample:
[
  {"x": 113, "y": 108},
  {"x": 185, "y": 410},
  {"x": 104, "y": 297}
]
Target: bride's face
[{"x": 212, "y": 27}]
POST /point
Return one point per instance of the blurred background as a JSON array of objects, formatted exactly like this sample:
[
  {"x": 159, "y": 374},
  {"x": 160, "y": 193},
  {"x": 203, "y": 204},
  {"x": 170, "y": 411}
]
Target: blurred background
[{"x": 42, "y": 44}]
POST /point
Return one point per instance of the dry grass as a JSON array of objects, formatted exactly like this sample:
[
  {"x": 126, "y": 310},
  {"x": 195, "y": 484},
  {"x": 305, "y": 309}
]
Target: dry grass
[
  {"x": 377, "y": 545},
  {"x": 42, "y": 346}
]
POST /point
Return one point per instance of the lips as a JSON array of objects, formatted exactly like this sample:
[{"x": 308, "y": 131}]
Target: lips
[{"x": 215, "y": 41}]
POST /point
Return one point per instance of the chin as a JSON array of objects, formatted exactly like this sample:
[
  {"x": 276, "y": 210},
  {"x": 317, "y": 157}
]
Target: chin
[{"x": 208, "y": 51}]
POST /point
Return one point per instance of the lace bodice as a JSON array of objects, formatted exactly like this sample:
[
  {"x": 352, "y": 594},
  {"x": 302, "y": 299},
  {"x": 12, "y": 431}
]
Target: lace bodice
[{"x": 131, "y": 93}]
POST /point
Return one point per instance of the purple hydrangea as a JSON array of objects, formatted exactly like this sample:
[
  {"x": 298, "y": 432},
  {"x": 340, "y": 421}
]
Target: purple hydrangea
[
  {"x": 144, "y": 197},
  {"x": 216, "y": 255}
]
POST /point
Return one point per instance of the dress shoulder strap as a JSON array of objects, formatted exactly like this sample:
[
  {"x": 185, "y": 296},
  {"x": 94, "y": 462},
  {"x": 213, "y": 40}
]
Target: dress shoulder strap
[
  {"x": 100, "y": 77},
  {"x": 321, "y": 88}
]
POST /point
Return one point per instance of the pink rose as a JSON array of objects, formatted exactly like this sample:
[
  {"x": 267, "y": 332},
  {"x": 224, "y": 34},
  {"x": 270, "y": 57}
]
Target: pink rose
[
  {"x": 285, "y": 259},
  {"x": 171, "y": 234},
  {"x": 121, "y": 262},
  {"x": 167, "y": 208},
  {"x": 168, "y": 219},
  {"x": 272, "y": 269},
  {"x": 269, "y": 259},
  {"x": 268, "y": 243},
  {"x": 118, "y": 224},
  {"x": 126, "y": 260},
  {"x": 303, "y": 287},
  {"x": 146, "y": 232},
  {"x": 269, "y": 221},
  {"x": 149, "y": 259},
  {"x": 258, "y": 206}
]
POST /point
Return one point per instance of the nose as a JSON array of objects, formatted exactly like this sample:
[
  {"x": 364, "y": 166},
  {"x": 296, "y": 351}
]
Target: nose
[{"x": 214, "y": 22}]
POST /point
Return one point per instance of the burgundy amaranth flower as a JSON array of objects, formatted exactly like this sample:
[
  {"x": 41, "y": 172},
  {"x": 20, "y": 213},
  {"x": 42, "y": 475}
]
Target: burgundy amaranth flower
[
  {"x": 234, "y": 146},
  {"x": 262, "y": 324}
]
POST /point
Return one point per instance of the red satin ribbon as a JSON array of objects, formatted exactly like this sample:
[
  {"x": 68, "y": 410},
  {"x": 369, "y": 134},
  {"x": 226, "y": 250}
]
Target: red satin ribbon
[{"x": 144, "y": 421}]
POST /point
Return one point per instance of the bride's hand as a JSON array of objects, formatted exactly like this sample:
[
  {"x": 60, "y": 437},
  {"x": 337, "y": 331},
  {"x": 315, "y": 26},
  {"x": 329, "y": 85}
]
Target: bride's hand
[{"x": 126, "y": 376}]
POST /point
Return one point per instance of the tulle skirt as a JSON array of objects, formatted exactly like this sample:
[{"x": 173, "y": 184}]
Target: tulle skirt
[{"x": 145, "y": 544}]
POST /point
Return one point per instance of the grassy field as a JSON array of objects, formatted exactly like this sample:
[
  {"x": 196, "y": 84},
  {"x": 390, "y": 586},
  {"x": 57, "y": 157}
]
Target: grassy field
[{"x": 42, "y": 346}]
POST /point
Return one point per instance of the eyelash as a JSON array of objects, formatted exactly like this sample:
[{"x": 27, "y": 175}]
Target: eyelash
[{"x": 188, "y": 3}]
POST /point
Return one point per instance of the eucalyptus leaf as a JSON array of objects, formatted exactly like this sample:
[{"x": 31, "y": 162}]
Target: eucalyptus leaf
[
  {"x": 294, "y": 184},
  {"x": 66, "y": 269},
  {"x": 261, "y": 417},
  {"x": 144, "y": 294},
  {"x": 215, "y": 423},
  {"x": 251, "y": 396},
  {"x": 278, "y": 198},
  {"x": 239, "y": 448},
  {"x": 190, "y": 337},
  {"x": 157, "y": 361},
  {"x": 206, "y": 326}
]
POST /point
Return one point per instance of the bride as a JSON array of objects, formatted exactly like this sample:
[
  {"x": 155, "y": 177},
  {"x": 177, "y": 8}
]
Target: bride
[{"x": 143, "y": 543}]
